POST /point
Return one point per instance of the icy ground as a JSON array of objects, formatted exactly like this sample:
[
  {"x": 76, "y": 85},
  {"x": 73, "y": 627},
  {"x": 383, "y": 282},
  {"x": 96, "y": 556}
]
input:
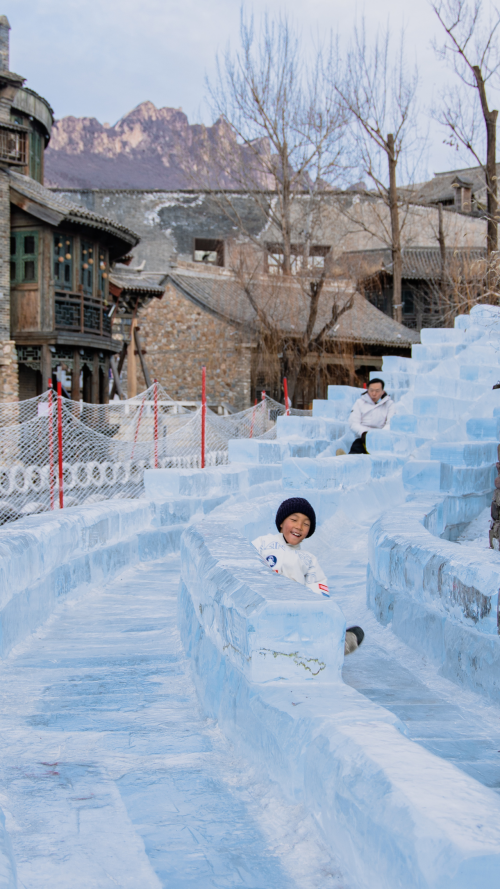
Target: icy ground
[
  {"x": 111, "y": 776},
  {"x": 477, "y": 533},
  {"x": 397, "y": 677}
]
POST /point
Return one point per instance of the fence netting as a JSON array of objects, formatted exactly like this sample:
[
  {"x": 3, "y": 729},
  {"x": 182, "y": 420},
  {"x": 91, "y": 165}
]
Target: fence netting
[{"x": 107, "y": 447}]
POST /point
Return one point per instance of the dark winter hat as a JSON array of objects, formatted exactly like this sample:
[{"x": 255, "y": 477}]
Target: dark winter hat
[{"x": 296, "y": 504}]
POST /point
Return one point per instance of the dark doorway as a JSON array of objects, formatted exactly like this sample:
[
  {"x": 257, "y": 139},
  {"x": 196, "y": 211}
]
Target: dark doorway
[
  {"x": 87, "y": 385},
  {"x": 30, "y": 382}
]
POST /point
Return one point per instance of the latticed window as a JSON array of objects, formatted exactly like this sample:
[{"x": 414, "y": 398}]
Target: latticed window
[
  {"x": 24, "y": 257},
  {"x": 91, "y": 317},
  {"x": 63, "y": 262},
  {"x": 12, "y": 146},
  {"x": 87, "y": 267}
]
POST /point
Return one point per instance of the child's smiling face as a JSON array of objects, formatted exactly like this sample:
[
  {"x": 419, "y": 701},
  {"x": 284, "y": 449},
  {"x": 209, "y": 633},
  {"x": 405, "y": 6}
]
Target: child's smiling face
[{"x": 295, "y": 528}]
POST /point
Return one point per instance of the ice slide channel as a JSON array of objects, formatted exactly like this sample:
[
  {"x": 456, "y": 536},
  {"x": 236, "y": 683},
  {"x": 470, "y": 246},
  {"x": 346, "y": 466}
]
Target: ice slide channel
[
  {"x": 447, "y": 443},
  {"x": 267, "y": 662}
]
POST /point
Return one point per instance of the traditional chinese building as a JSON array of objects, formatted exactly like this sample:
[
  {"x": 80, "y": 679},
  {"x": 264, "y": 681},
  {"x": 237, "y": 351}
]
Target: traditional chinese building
[{"x": 55, "y": 261}]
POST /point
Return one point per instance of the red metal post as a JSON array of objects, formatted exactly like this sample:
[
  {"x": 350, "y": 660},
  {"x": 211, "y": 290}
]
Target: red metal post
[
  {"x": 60, "y": 443},
  {"x": 156, "y": 424},
  {"x": 287, "y": 404},
  {"x": 203, "y": 413},
  {"x": 51, "y": 449}
]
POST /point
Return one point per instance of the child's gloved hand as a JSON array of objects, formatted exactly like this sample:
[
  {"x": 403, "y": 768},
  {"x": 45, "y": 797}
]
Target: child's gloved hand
[{"x": 320, "y": 588}]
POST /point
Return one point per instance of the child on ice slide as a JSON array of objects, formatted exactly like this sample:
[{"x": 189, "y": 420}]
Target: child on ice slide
[{"x": 296, "y": 521}]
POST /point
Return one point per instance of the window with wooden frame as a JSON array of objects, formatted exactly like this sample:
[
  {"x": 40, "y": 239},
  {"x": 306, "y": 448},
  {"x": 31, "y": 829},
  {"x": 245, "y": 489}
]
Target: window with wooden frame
[
  {"x": 102, "y": 275},
  {"x": 209, "y": 251},
  {"x": 87, "y": 252},
  {"x": 63, "y": 262},
  {"x": 24, "y": 257}
]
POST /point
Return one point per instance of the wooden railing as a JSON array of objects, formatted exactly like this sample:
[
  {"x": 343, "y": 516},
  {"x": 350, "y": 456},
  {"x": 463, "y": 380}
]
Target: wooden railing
[{"x": 81, "y": 314}]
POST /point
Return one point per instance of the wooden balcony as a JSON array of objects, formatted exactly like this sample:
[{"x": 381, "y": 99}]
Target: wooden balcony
[{"x": 78, "y": 313}]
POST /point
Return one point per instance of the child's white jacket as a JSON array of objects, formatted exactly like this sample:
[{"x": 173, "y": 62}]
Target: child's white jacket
[{"x": 292, "y": 562}]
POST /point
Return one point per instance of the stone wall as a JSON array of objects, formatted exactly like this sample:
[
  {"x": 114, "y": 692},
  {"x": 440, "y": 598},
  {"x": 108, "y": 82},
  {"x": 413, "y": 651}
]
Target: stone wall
[
  {"x": 180, "y": 338},
  {"x": 8, "y": 355},
  {"x": 169, "y": 221},
  {"x": 9, "y": 383}
]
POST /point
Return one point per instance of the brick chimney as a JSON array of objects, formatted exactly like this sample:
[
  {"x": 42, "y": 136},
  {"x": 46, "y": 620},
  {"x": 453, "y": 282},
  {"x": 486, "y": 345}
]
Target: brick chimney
[{"x": 4, "y": 43}]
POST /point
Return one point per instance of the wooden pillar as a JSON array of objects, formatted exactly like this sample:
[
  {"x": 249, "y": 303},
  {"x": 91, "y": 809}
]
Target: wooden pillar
[
  {"x": 46, "y": 367},
  {"x": 94, "y": 386},
  {"x": 75, "y": 376},
  {"x": 132, "y": 363}
]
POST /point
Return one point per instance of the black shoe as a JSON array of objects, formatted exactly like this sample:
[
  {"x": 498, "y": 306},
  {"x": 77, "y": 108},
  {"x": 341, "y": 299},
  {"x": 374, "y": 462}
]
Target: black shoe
[
  {"x": 358, "y": 632},
  {"x": 353, "y": 639}
]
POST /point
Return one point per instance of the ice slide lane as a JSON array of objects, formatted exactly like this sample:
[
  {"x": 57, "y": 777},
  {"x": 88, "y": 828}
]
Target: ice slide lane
[
  {"x": 451, "y": 722},
  {"x": 110, "y": 776}
]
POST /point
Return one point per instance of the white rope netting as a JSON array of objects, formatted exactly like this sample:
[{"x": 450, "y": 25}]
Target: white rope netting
[{"x": 106, "y": 448}]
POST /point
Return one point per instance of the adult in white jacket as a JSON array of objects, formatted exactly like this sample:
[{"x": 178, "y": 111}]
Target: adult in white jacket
[{"x": 372, "y": 411}]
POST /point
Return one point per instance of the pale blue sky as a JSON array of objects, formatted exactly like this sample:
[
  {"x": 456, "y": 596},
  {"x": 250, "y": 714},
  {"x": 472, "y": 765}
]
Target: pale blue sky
[{"x": 100, "y": 58}]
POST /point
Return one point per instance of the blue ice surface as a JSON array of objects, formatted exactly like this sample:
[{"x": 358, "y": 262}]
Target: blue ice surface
[
  {"x": 110, "y": 771},
  {"x": 320, "y": 742},
  {"x": 395, "y": 756}
]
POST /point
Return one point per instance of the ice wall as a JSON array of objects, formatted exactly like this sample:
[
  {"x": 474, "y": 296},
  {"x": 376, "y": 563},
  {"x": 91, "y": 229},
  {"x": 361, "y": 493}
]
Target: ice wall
[
  {"x": 266, "y": 654},
  {"x": 439, "y": 597}
]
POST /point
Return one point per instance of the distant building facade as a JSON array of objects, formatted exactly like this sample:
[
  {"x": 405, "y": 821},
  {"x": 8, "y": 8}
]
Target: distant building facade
[{"x": 188, "y": 235}]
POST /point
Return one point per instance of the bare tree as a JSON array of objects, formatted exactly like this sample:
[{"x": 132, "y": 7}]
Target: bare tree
[
  {"x": 471, "y": 48},
  {"x": 380, "y": 93},
  {"x": 285, "y": 156},
  {"x": 469, "y": 279}
]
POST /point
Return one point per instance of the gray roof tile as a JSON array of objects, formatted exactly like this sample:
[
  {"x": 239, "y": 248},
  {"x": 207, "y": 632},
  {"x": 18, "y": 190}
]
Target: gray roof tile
[
  {"x": 221, "y": 294},
  {"x": 37, "y": 193}
]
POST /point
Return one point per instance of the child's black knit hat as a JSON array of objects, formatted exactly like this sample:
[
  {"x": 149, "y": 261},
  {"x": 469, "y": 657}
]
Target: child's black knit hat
[{"x": 296, "y": 504}]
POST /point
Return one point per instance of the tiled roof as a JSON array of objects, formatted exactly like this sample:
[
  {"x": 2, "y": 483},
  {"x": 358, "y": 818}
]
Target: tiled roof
[
  {"x": 135, "y": 289},
  {"x": 286, "y": 306},
  {"x": 440, "y": 187},
  {"x": 37, "y": 193},
  {"x": 137, "y": 282},
  {"x": 419, "y": 263}
]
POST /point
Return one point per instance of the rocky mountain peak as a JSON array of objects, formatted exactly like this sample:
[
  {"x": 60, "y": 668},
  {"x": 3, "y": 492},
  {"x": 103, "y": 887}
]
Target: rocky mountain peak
[{"x": 148, "y": 147}]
